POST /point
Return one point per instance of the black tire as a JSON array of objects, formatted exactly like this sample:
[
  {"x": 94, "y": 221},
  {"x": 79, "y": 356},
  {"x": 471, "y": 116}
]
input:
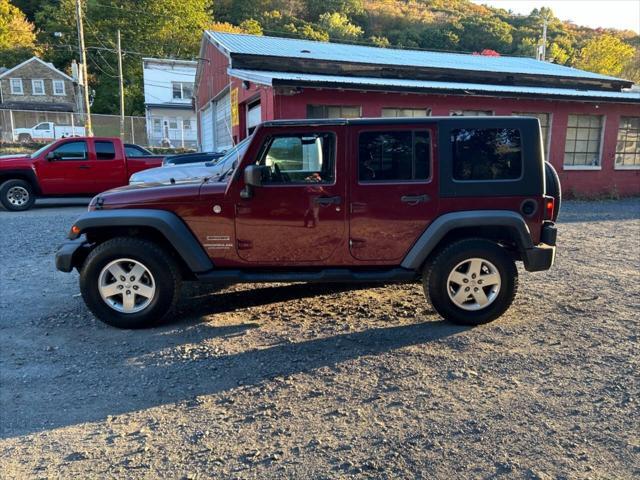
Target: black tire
[
  {"x": 17, "y": 195},
  {"x": 158, "y": 262},
  {"x": 25, "y": 138},
  {"x": 436, "y": 274},
  {"x": 552, "y": 180}
]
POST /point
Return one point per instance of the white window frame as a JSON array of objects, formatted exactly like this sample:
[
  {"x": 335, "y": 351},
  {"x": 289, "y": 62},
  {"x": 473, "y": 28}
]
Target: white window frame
[
  {"x": 460, "y": 113},
  {"x": 426, "y": 110},
  {"x": 33, "y": 87},
  {"x": 586, "y": 167},
  {"x": 547, "y": 147},
  {"x": 59, "y": 82},
  {"x": 11, "y": 85},
  {"x": 615, "y": 165},
  {"x": 182, "y": 84}
]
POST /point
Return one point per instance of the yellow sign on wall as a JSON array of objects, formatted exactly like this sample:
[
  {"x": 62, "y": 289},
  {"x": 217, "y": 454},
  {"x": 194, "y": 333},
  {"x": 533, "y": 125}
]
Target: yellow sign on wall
[{"x": 235, "y": 118}]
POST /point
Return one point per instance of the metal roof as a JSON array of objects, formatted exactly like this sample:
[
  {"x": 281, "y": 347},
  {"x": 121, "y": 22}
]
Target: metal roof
[
  {"x": 373, "y": 83},
  {"x": 233, "y": 43}
]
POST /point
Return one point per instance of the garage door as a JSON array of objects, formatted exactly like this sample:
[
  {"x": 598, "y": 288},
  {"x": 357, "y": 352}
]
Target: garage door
[
  {"x": 254, "y": 115},
  {"x": 223, "y": 139},
  {"x": 206, "y": 129}
]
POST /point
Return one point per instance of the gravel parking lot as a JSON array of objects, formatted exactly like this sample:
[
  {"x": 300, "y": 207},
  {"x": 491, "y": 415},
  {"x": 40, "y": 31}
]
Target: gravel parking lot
[{"x": 298, "y": 381}]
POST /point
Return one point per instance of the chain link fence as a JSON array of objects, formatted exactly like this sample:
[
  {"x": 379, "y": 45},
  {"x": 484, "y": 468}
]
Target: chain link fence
[{"x": 28, "y": 126}]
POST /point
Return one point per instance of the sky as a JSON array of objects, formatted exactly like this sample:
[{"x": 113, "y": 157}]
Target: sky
[{"x": 620, "y": 14}]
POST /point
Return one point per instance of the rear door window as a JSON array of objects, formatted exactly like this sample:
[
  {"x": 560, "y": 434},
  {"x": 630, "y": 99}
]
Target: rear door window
[
  {"x": 485, "y": 154},
  {"x": 393, "y": 156},
  {"x": 105, "y": 150}
]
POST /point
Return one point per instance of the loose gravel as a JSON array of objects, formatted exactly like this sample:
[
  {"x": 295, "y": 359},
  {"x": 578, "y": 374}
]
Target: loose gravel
[{"x": 299, "y": 381}]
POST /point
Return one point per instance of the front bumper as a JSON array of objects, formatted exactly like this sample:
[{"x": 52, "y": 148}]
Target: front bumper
[{"x": 71, "y": 253}]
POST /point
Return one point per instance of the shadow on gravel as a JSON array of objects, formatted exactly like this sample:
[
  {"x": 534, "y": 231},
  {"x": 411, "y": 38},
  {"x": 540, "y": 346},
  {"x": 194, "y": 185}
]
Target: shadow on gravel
[{"x": 126, "y": 371}]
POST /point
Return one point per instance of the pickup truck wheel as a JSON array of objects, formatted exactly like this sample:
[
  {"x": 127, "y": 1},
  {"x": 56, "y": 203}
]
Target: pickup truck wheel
[
  {"x": 25, "y": 138},
  {"x": 129, "y": 282},
  {"x": 471, "y": 282},
  {"x": 17, "y": 195}
]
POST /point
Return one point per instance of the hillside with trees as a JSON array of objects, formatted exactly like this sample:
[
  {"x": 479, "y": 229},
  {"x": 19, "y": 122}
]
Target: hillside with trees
[{"x": 167, "y": 28}]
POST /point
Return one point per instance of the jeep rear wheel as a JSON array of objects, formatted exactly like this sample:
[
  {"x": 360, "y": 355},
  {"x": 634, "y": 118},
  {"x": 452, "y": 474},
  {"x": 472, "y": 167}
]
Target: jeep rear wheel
[
  {"x": 129, "y": 282},
  {"x": 17, "y": 195},
  {"x": 471, "y": 281}
]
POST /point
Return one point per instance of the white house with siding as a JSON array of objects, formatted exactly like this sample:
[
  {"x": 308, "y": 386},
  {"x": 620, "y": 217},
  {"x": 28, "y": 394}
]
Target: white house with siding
[{"x": 168, "y": 92}]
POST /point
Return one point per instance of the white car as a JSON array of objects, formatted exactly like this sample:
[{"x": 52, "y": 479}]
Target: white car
[{"x": 168, "y": 174}]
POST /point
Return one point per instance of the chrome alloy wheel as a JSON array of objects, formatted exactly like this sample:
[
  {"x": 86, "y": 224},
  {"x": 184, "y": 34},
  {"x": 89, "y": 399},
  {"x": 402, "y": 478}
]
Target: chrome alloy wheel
[
  {"x": 474, "y": 284},
  {"x": 126, "y": 285},
  {"x": 18, "y": 196}
]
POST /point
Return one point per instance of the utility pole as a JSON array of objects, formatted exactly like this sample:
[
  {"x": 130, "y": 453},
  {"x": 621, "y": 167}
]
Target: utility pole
[
  {"x": 544, "y": 40},
  {"x": 85, "y": 79},
  {"x": 121, "y": 85}
]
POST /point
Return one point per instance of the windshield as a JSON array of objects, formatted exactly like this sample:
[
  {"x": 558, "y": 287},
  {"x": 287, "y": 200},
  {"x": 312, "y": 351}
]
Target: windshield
[
  {"x": 227, "y": 164},
  {"x": 41, "y": 149}
]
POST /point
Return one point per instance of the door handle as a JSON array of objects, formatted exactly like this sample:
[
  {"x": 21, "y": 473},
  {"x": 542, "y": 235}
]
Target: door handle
[
  {"x": 327, "y": 200},
  {"x": 84, "y": 167},
  {"x": 414, "y": 199}
]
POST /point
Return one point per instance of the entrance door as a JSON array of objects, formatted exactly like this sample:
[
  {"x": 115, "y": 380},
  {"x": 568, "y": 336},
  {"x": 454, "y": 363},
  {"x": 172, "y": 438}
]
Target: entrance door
[
  {"x": 298, "y": 214},
  {"x": 392, "y": 194},
  {"x": 69, "y": 172}
]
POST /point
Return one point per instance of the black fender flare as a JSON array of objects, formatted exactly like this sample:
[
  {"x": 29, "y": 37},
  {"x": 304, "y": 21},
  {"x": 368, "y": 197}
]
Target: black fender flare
[
  {"x": 21, "y": 174},
  {"x": 166, "y": 223},
  {"x": 444, "y": 224}
]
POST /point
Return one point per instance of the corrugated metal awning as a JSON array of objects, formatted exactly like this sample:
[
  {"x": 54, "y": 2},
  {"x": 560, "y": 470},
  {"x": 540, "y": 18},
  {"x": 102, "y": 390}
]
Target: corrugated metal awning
[{"x": 423, "y": 86}]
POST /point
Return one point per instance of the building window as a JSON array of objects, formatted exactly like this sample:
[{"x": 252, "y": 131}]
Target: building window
[
  {"x": 471, "y": 113},
  {"x": 186, "y": 124},
  {"x": 157, "y": 126},
  {"x": 304, "y": 158},
  {"x": 582, "y": 146},
  {"x": 37, "y": 86},
  {"x": 334, "y": 111},
  {"x": 393, "y": 156},
  {"x": 628, "y": 145},
  {"x": 182, "y": 90},
  {"x": 406, "y": 112},
  {"x": 16, "y": 86},
  {"x": 58, "y": 87},
  {"x": 173, "y": 123},
  {"x": 545, "y": 124},
  {"x": 486, "y": 154}
]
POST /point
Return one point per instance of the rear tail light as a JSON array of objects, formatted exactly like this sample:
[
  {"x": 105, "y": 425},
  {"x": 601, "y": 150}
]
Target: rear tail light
[{"x": 549, "y": 207}]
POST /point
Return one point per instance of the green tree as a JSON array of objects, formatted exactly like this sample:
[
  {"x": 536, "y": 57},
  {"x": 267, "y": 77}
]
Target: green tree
[
  {"x": 17, "y": 37},
  {"x": 605, "y": 54},
  {"x": 338, "y": 26},
  {"x": 478, "y": 33}
]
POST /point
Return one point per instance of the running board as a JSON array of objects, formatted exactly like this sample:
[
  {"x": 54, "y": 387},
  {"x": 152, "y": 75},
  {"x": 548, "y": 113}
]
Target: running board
[{"x": 320, "y": 276}]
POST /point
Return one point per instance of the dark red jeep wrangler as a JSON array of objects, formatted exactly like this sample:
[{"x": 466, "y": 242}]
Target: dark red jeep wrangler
[{"x": 453, "y": 202}]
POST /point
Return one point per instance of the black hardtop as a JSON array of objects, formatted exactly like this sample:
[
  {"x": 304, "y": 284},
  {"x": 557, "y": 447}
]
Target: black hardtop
[{"x": 501, "y": 121}]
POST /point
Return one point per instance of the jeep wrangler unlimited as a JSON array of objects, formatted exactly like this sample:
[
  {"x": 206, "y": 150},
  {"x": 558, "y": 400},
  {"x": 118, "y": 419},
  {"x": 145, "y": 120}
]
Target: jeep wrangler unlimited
[{"x": 452, "y": 202}]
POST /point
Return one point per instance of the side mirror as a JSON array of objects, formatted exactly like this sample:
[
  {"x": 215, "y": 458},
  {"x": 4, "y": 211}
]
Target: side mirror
[
  {"x": 51, "y": 156},
  {"x": 253, "y": 174}
]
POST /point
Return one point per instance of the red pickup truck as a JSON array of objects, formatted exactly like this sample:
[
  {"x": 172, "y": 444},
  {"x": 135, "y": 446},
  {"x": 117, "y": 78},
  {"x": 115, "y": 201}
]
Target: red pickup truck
[{"x": 69, "y": 167}]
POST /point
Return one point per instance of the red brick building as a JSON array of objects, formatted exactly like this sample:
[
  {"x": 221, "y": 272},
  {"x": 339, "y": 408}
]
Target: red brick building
[{"x": 591, "y": 122}]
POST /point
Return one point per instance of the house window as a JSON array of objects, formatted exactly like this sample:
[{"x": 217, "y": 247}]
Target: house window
[
  {"x": 186, "y": 124},
  {"x": 16, "y": 86},
  {"x": 182, "y": 90},
  {"x": 406, "y": 112},
  {"x": 393, "y": 156},
  {"x": 470, "y": 113},
  {"x": 157, "y": 125},
  {"x": 334, "y": 111},
  {"x": 628, "y": 145},
  {"x": 173, "y": 123},
  {"x": 545, "y": 123},
  {"x": 582, "y": 146},
  {"x": 486, "y": 154},
  {"x": 58, "y": 87},
  {"x": 37, "y": 86}
]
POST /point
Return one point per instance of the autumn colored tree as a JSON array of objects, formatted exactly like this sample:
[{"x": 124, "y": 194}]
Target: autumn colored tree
[
  {"x": 605, "y": 54},
  {"x": 17, "y": 36}
]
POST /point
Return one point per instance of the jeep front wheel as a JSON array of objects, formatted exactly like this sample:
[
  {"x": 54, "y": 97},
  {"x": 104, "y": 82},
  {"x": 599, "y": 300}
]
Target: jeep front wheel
[
  {"x": 471, "y": 282},
  {"x": 129, "y": 282},
  {"x": 17, "y": 195}
]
